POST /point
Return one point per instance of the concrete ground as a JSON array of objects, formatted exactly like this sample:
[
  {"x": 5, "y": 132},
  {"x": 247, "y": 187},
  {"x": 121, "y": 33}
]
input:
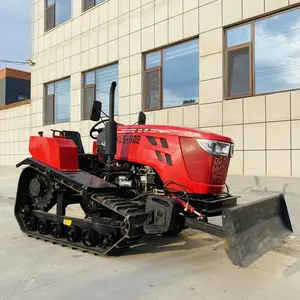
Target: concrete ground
[{"x": 193, "y": 265}]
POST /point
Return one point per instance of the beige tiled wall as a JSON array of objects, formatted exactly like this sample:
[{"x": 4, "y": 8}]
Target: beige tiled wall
[{"x": 265, "y": 128}]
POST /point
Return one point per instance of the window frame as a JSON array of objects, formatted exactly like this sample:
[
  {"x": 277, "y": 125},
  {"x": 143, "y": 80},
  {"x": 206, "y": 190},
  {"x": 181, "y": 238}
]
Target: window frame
[
  {"x": 94, "y": 85},
  {"x": 54, "y": 15},
  {"x": 161, "y": 79},
  {"x": 51, "y": 97},
  {"x": 252, "y": 22},
  {"x": 84, "y": 87}
]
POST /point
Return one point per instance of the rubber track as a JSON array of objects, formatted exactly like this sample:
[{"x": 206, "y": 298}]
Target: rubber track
[{"x": 132, "y": 212}]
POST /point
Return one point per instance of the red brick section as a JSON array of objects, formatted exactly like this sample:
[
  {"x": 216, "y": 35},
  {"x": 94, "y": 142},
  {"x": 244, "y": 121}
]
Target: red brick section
[{"x": 6, "y": 72}]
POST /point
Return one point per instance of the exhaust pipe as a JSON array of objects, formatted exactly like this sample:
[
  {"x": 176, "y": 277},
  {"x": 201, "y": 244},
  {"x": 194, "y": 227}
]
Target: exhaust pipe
[{"x": 111, "y": 129}]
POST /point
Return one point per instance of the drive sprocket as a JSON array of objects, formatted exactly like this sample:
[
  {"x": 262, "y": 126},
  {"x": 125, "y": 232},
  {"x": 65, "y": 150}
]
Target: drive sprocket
[{"x": 41, "y": 191}]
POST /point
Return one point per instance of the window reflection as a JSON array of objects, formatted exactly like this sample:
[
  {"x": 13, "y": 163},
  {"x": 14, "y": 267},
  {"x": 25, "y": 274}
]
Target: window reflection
[
  {"x": 63, "y": 11},
  {"x": 273, "y": 55},
  {"x": 239, "y": 35},
  {"x": 175, "y": 78},
  {"x": 277, "y": 56}
]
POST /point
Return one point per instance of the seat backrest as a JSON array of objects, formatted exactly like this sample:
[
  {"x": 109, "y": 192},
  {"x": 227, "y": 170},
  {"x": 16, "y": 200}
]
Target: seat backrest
[{"x": 76, "y": 138}]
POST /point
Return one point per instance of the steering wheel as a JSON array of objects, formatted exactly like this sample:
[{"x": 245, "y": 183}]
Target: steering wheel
[{"x": 99, "y": 130}]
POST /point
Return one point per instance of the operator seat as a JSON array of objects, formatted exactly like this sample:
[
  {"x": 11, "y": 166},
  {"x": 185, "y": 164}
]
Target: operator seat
[{"x": 76, "y": 138}]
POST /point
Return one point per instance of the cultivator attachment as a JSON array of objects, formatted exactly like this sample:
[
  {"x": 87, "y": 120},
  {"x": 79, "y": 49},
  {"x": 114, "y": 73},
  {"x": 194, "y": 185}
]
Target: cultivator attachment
[{"x": 253, "y": 229}]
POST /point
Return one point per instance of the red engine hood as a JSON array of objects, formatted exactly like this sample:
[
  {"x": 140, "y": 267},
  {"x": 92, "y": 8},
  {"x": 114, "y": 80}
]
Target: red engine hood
[{"x": 174, "y": 131}]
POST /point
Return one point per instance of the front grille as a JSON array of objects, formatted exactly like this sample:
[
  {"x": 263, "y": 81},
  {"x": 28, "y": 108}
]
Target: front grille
[{"x": 219, "y": 169}]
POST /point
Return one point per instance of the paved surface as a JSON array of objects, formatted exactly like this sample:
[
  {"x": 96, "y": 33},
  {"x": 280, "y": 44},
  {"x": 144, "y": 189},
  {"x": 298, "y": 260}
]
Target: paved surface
[{"x": 191, "y": 266}]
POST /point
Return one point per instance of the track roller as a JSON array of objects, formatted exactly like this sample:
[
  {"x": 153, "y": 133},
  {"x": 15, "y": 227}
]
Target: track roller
[
  {"x": 57, "y": 230},
  {"x": 89, "y": 238},
  {"x": 73, "y": 234},
  {"x": 30, "y": 223},
  {"x": 43, "y": 227}
]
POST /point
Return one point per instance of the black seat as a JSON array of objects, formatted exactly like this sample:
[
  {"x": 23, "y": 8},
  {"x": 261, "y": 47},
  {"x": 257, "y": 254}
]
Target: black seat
[{"x": 76, "y": 138}]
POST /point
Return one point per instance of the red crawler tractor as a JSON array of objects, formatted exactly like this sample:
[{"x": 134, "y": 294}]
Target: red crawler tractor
[{"x": 140, "y": 179}]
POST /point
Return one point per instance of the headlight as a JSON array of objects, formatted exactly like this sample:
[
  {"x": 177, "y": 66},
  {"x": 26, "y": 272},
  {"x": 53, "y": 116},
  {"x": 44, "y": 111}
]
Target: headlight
[{"x": 216, "y": 147}]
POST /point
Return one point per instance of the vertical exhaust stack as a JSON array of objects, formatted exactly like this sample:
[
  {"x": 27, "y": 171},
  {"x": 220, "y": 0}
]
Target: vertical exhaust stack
[{"x": 111, "y": 129}]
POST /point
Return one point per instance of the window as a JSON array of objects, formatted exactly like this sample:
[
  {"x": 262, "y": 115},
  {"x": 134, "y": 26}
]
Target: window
[
  {"x": 96, "y": 86},
  {"x": 263, "y": 56},
  {"x": 171, "y": 76},
  {"x": 57, "y": 102},
  {"x": 57, "y": 12},
  {"x": 87, "y": 4}
]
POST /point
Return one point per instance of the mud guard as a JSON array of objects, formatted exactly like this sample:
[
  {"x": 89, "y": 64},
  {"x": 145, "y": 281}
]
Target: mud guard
[{"x": 251, "y": 230}]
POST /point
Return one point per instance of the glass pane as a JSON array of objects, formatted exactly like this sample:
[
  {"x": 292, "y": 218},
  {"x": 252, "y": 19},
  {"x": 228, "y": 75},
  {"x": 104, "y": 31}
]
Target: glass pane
[
  {"x": 88, "y": 97},
  {"x": 50, "y": 89},
  {"x": 152, "y": 94},
  {"x": 89, "y": 78},
  {"x": 48, "y": 110},
  {"x": 99, "y": 1},
  {"x": 277, "y": 55},
  {"x": 239, "y": 35},
  {"x": 50, "y": 22},
  {"x": 181, "y": 74},
  {"x": 50, "y": 2},
  {"x": 238, "y": 72},
  {"x": 88, "y": 4},
  {"x": 62, "y": 101},
  {"x": 153, "y": 60},
  {"x": 63, "y": 11},
  {"x": 104, "y": 78}
]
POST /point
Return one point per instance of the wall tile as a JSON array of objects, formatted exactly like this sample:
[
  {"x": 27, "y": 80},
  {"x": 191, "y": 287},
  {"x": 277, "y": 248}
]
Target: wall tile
[
  {"x": 275, "y": 4},
  {"x": 135, "y": 103},
  {"x": 211, "y": 66},
  {"x": 296, "y": 163},
  {"x": 124, "y": 25},
  {"x": 148, "y": 38},
  {"x": 255, "y": 109},
  {"x": 236, "y": 164},
  {"x": 135, "y": 43},
  {"x": 148, "y": 15},
  {"x": 113, "y": 51},
  {"x": 232, "y": 11},
  {"x": 210, "y": 16},
  {"x": 124, "y": 47},
  {"x": 190, "y": 23},
  {"x": 161, "y": 10},
  {"x": 211, "y": 91},
  {"x": 210, "y": 114},
  {"x": 255, "y": 163},
  {"x": 233, "y": 112},
  {"x": 253, "y": 8},
  {"x": 278, "y": 135},
  {"x": 278, "y": 107},
  {"x": 124, "y": 106},
  {"x": 175, "y": 28},
  {"x": 255, "y": 136},
  {"x": 135, "y": 20},
  {"x": 295, "y": 105},
  {"x": 279, "y": 163},
  {"x": 135, "y": 64},
  {"x": 161, "y": 33},
  {"x": 191, "y": 116},
  {"x": 296, "y": 135},
  {"x": 236, "y": 133},
  {"x": 210, "y": 42},
  {"x": 135, "y": 84},
  {"x": 175, "y": 8},
  {"x": 123, "y": 7},
  {"x": 176, "y": 116}
]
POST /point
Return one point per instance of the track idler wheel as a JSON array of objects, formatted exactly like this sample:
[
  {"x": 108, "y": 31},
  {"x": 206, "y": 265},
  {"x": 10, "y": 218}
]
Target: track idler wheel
[
  {"x": 43, "y": 227},
  {"x": 73, "y": 234},
  {"x": 24, "y": 211},
  {"x": 89, "y": 238},
  {"x": 106, "y": 241},
  {"x": 57, "y": 230},
  {"x": 30, "y": 223}
]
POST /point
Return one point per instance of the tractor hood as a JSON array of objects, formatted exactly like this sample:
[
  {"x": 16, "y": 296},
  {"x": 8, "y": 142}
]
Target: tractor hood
[{"x": 174, "y": 131}]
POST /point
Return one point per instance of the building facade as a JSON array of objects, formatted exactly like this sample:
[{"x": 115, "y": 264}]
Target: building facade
[{"x": 227, "y": 66}]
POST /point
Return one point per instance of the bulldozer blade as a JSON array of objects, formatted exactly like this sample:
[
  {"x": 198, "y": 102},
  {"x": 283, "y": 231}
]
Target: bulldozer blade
[{"x": 253, "y": 229}]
